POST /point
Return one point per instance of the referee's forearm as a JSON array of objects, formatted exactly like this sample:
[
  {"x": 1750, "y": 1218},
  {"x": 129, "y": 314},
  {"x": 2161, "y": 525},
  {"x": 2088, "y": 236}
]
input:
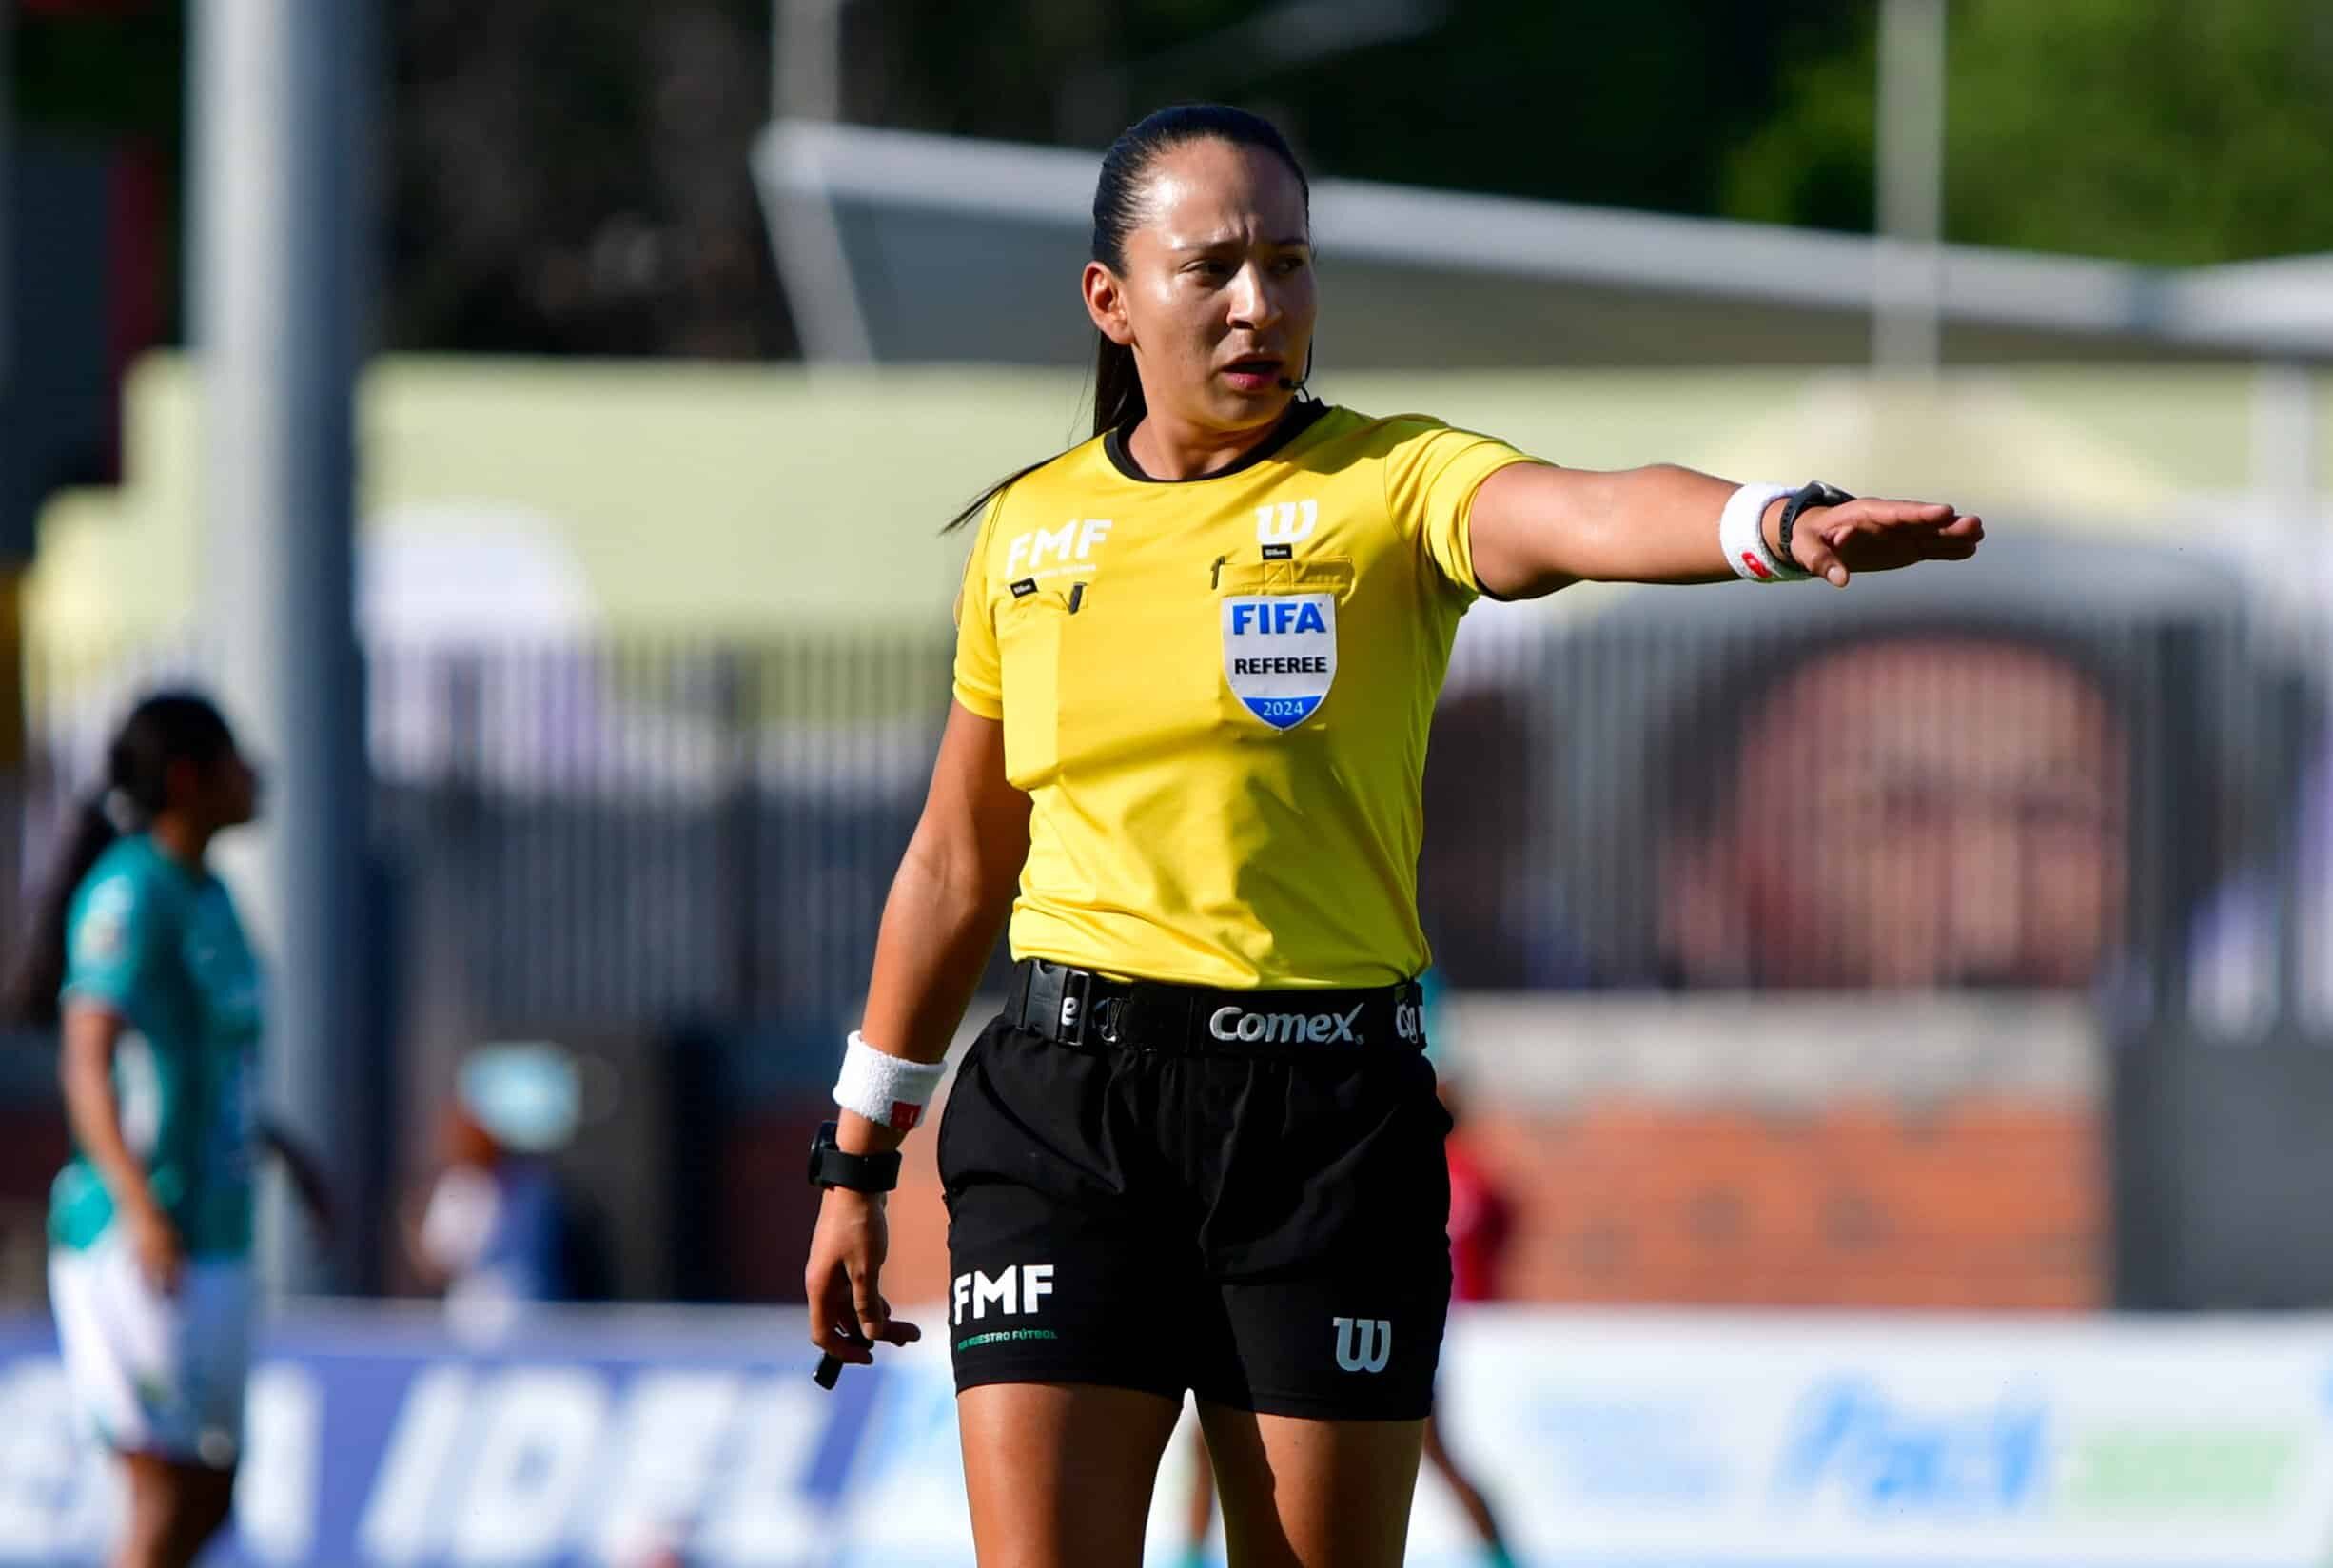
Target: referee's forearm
[
  {"x": 1536, "y": 528},
  {"x": 939, "y": 925},
  {"x": 1656, "y": 525}
]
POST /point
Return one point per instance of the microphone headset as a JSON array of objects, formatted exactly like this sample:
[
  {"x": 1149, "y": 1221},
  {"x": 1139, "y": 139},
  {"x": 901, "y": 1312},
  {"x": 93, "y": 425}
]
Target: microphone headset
[{"x": 1298, "y": 384}]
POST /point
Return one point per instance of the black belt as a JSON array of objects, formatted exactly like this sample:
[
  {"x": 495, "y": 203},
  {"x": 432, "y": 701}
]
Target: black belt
[{"x": 1079, "y": 1007}]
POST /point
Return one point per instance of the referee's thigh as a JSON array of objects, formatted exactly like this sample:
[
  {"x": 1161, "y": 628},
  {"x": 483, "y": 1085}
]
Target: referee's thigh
[
  {"x": 1060, "y": 1474},
  {"x": 1299, "y": 1493}
]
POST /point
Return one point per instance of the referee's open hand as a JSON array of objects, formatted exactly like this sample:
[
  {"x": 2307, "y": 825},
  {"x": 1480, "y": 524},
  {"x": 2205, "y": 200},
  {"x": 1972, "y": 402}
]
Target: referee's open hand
[
  {"x": 848, "y": 1314},
  {"x": 1872, "y": 534}
]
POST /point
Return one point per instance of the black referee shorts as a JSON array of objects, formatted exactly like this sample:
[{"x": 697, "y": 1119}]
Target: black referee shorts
[{"x": 1261, "y": 1220}]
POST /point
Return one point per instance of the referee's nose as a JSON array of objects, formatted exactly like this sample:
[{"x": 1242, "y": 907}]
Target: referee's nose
[{"x": 1256, "y": 302}]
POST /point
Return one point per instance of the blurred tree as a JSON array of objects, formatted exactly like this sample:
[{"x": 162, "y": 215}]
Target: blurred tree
[
  {"x": 571, "y": 178},
  {"x": 1635, "y": 105},
  {"x": 561, "y": 177},
  {"x": 2152, "y": 130},
  {"x": 108, "y": 66},
  {"x": 108, "y": 72}
]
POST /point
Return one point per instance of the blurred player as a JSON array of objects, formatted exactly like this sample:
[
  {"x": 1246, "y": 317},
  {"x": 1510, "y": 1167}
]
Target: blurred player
[
  {"x": 1199, "y": 1152},
  {"x": 138, "y": 948},
  {"x": 1481, "y": 1225},
  {"x": 498, "y": 1229}
]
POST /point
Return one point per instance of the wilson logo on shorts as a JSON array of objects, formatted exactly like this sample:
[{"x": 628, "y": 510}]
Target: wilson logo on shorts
[
  {"x": 1364, "y": 1345},
  {"x": 1279, "y": 654}
]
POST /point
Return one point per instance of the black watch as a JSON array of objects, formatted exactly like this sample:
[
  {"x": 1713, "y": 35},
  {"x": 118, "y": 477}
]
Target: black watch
[
  {"x": 1813, "y": 493},
  {"x": 831, "y": 1167}
]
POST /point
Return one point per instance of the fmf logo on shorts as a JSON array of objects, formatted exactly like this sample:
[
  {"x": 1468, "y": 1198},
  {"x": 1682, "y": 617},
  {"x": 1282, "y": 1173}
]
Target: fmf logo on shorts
[
  {"x": 1014, "y": 1292},
  {"x": 1409, "y": 1023},
  {"x": 1279, "y": 654},
  {"x": 1316, "y": 1029}
]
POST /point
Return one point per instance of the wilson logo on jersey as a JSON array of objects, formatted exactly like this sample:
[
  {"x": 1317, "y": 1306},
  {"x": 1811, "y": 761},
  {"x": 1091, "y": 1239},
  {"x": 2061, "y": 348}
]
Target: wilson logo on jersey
[
  {"x": 1289, "y": 522},
  {"x": 1279, "y": 654}
]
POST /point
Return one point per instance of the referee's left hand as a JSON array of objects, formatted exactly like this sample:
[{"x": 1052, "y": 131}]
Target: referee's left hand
[
  {"x": 848, "y": 1314},
  {"x": 1873, "y": 534}
]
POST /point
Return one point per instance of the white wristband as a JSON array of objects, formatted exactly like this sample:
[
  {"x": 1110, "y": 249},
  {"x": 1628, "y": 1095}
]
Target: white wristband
[
  {"x": 882, "y": 1088},
  {"x": 1742, "y": 531}
]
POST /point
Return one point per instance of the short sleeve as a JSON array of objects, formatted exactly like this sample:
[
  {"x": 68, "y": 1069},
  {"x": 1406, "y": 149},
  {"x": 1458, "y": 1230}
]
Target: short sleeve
[
  {"x": 979, "y": 676},
  {"x": 1432, "y": 472},
  {"x": 114, "y": 933}
]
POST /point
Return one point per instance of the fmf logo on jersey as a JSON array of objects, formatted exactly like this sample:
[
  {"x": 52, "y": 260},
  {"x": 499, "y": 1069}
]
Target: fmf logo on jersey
[
  {"x": 1279, "y": 654},
  {"x": 1316, "y": 1029},
  {"x": 1073, "y": 540}
]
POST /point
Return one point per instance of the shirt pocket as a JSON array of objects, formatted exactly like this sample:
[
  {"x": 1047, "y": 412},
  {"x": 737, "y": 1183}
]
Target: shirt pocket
[
  {"x": 1029, "y": 652},
  {"x": 1279, "y": 673}
]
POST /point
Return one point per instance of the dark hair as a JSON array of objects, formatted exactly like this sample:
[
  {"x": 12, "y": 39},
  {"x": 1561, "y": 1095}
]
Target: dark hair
[
  {"x": 1117, "y": 207},
  {"x": 162, "y": 731}
]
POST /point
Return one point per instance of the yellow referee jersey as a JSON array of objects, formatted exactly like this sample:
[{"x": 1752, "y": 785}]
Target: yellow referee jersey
[{"x": 1216, "y": 693}]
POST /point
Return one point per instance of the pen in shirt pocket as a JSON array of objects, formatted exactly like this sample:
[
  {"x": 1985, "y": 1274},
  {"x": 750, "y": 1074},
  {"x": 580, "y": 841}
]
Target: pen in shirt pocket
[{"x": 1077, "y": 596}]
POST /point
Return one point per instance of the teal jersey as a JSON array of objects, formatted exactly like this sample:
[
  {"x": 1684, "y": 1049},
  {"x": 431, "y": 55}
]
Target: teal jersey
[{"x": 160, "y": 946}]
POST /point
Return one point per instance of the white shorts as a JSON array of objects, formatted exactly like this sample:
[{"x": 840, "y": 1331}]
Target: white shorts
[{"x": 155, "y": 1374}]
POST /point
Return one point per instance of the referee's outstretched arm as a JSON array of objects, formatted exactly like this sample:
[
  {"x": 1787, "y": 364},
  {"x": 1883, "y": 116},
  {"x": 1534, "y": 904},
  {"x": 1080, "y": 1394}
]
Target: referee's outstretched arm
[
  {"x": 1536, "y": 528},
  {"x": 947, "y": 903}
]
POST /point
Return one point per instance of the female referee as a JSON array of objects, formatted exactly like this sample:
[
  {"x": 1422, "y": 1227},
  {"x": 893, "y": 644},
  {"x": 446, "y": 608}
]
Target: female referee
[
  {"x": 1200, "y": 1150},
  {"x": 151, "y": 1224}
]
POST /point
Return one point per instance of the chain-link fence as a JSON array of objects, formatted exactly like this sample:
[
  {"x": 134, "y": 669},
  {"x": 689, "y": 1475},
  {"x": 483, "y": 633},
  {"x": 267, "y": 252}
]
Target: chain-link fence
[
  {"x": 2024, "y": 787},
  {"x": 2098, "y": 775}
]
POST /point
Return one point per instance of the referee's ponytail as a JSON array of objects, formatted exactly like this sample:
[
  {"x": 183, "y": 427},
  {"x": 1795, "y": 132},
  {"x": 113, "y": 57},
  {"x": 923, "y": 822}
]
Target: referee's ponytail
[{"x": 1118, "y": 203}]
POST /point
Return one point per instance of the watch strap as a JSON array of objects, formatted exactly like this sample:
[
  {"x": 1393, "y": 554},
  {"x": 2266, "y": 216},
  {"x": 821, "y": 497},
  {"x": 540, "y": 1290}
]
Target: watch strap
[
  {"x": 1813, "y": 493},
  {"x": 832, "y": 1166}
]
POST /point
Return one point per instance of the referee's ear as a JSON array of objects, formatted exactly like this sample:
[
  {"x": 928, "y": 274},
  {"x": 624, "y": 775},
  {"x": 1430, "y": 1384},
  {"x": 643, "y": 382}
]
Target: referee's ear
[{"x": 1106, "y": 304}]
